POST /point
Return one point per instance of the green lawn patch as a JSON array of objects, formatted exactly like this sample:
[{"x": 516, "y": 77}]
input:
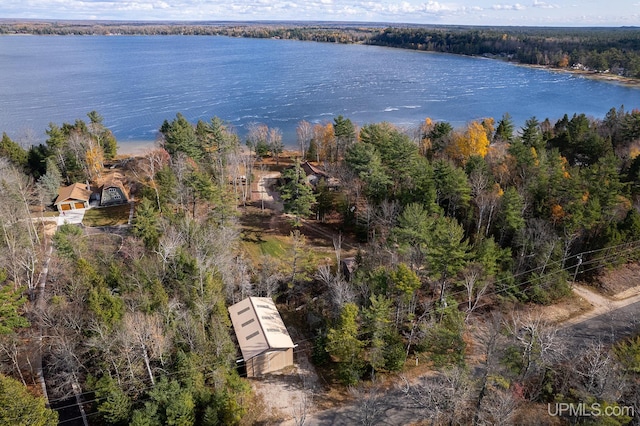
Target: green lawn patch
[
  {"x": 107, "y": 216},
  {"x": 258, "y": 246}
]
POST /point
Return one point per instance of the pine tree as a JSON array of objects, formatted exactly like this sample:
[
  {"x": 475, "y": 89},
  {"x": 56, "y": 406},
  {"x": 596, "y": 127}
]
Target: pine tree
[
  {"x": 19, "y": 408},
  {"x": 343, "y": 343},
  {"x": 297, "y": 195}
]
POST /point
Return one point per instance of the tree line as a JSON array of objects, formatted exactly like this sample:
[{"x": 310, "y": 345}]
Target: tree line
[{"x": 614, "y": 50}]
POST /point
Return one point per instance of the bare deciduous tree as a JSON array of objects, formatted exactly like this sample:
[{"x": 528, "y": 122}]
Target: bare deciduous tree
[
  {"x": 300, "y": 409},
  {"x": 440, "y": 398},
  {"x": 148, "y": 336},
  {"x": 537, "y": 344},
  {"x": 340, "y": 292},
  {"x": 305, "y": 134},
  {"x": 274, "y": 141},
  {"x": 597, "y": 372},
  {"x": 147, "y": 167},
  {"x": 369, "y": 409},
  {"x": 500, "y": 406},
  {"x": 475, "y": 287},
  {"x": 171, "y": 239},
  {"x": 268, "y": 276}
]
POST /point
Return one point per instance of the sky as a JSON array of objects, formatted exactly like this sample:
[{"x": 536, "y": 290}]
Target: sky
[{"x": 445, "y": 12}]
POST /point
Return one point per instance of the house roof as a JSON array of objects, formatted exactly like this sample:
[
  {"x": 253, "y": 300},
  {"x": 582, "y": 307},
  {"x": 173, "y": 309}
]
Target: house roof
[
  {"x": 77, "y": 191},
  {"x": 258, "y": 326},
  {"x": 310, "y": 169},
  {"x": 114, "y": 180}
]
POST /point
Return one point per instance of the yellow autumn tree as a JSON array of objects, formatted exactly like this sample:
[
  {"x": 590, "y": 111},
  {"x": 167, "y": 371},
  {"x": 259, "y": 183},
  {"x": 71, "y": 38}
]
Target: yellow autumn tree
[
  {"x": 94, "y": 157},
  {"x": 426, "y": 128},
  {"x": 564, "y": 61},
  {"x": 473, "y": 141}
]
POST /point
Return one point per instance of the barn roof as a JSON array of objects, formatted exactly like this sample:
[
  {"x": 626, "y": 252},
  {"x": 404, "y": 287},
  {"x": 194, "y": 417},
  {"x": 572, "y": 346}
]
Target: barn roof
[
  {"x": 77, "y": 191},
  {"x": 258, "y": 326}
]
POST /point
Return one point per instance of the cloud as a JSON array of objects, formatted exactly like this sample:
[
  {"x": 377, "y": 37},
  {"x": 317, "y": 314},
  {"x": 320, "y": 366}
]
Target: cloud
[
  {"x": 417, "y": 11},
  {"x": 544, "y": 5},
  {"x": 516, "y": 6}
]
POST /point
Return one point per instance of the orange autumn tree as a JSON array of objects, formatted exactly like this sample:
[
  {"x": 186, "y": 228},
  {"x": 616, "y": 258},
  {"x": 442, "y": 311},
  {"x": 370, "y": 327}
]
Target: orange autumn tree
[
  {"x": 324, "y": 140},
  {"x": 473, "y": 141}
]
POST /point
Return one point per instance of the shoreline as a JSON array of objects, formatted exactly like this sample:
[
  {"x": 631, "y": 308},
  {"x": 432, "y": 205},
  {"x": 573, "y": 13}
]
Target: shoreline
[
  {"x": 592, "y": 75},
  {"x": 134, "y": 148},
  {"x": 140, "y": 147}
]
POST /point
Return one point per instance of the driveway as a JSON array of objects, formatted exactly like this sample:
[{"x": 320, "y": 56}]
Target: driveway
[{"x": 71, "y": 216}]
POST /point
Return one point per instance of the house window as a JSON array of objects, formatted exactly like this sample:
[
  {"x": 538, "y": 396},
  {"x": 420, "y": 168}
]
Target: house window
[
  {"x": 114, "y": 193},
  {"x": 242, "y": 311},
  {"x": 247, "y": 322},
  {"x": 252, "y": 335}
]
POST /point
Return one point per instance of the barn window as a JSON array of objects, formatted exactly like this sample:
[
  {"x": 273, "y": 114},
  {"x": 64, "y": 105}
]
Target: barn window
[{"x": 264, "y": 306}]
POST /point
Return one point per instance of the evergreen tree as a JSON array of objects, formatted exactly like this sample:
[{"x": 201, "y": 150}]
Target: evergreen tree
[
  {"x": 345, "y": 134},
  {"x": 13, "y": 152},
  {"x": 531, "y": 134},
  {"x": 447, "y": 253},
  {"x": 296, "y": 193},
  {"x": 11, "y": 302},
  {"x": 19, "y": 408},
  {"x": 504, "y": 131},
  {"x": 145, "y": 223},
  {"x": 180, "y": 136},
  {"x": 343, "y": 343},
  {"x": 114, "y": 405}
]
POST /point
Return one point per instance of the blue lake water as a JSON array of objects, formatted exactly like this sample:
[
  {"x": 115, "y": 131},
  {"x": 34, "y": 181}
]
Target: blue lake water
[{"x": 137, "y": 82}]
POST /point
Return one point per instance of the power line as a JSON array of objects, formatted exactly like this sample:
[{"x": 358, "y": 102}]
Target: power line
[{"x": 597, "y": 261}]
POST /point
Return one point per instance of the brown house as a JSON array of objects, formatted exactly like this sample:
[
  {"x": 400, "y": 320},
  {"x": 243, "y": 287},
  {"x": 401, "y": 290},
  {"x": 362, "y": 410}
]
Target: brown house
[
  {"x": 73, "y": 197},
  {"x": 113, "y": 191},
  {"x": 263, "y": 338},
  {"x": 315, "y": 175}
]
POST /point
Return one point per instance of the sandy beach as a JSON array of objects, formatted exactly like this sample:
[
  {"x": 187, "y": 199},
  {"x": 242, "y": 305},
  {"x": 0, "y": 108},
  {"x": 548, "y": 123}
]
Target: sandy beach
[{"x": 132, "y": 148}]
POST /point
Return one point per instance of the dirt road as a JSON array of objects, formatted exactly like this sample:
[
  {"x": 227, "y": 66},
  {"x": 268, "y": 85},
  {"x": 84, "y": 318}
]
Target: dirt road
[{"x": 608, "y": 321}]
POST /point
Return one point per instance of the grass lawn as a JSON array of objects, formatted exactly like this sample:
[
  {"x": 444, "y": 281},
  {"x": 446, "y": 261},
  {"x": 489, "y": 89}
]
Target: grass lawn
[
  {"x": 272, "y": 245},
  {"x": 107, "y": 216}
]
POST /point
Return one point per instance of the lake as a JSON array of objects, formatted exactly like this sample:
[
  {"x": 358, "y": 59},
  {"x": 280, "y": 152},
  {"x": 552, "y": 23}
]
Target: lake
[{"x": 137, "y": 82}]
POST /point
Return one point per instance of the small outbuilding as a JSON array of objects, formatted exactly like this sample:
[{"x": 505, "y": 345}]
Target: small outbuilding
[
  {"x": 263, "y": 338},
  {"x": 73, "y": 197}
]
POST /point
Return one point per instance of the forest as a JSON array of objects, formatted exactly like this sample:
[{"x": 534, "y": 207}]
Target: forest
[
  {"x": 609, "y": 50},
  {"x": 613, "y": 51},
  {"x": 456, "y": 234}
]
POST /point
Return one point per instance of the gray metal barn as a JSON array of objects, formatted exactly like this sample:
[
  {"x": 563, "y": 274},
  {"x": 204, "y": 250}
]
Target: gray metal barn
[{"x": 263, "y": 338}]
